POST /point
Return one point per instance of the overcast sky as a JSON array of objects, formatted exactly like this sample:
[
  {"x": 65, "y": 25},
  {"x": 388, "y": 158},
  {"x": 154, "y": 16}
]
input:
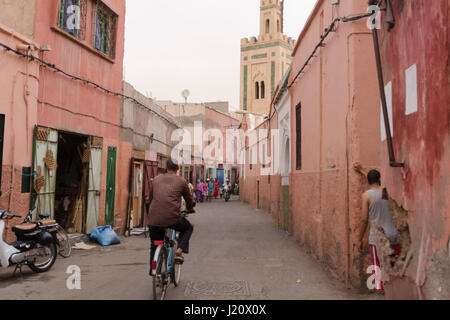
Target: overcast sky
[{"x": 195, "y": 44}]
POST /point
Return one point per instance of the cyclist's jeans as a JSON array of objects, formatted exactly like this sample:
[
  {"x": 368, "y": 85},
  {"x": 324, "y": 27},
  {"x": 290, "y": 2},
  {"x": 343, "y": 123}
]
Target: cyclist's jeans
[{"x": 183, "y": 226}]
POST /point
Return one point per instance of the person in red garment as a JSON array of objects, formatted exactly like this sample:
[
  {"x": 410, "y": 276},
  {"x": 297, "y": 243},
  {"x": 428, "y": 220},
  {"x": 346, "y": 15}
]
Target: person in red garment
[{"x": 216, "y": 188}]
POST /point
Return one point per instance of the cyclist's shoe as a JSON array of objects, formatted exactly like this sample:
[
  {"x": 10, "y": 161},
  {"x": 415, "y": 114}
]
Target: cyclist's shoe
[{"x": 179, "y": 259}]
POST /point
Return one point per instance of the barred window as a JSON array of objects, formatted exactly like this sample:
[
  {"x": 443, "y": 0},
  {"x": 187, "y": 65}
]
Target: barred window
[
  {"x": 72, "y": 17},
  {"x": 105, "y": 30}
]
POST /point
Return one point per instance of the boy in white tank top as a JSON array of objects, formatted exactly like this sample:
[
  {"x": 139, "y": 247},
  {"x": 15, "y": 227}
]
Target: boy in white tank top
[{"x": 375, "y": 209}]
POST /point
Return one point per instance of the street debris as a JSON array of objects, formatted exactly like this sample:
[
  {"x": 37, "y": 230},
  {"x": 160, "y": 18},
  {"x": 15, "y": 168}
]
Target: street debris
[
  {"x": 137, "y": 231},
  {"x": 83, "y": 246}
]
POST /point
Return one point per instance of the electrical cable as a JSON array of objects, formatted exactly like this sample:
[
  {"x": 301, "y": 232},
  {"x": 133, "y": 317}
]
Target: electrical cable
[
  {"x": 323, "y": 37},
  {"x": 85, "y": 81}
]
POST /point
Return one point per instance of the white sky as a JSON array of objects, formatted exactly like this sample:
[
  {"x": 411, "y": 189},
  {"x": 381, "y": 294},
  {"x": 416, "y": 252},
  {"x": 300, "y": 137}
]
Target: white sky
[{"x": 171, "y": 45}]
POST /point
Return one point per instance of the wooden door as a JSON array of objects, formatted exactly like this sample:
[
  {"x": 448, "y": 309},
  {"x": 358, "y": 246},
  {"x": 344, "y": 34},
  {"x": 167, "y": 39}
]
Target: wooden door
[
  {"x": 150, "y": 172},
  {"x": 138, "y": 175},
  {"x": 94, "y": 184}
]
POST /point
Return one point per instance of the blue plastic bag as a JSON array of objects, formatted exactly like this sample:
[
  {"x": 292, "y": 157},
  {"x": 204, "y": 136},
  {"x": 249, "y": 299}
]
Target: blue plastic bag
[{"x": 105, "y": 236}]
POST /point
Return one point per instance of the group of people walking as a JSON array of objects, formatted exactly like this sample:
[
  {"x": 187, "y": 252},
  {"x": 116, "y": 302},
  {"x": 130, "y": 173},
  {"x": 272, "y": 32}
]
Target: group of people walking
[{"x": 207, "y": 190}]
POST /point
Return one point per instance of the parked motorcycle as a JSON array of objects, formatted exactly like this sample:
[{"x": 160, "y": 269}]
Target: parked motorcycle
[{"x": 35, "y": 245}]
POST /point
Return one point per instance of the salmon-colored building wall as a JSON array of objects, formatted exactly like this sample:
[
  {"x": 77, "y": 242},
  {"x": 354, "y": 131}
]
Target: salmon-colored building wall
[
  {"x": 421, "y": 140},
  {"x": 73, "y": 106},
  {"x": 339, "y": 122},
  {"x": 262, "y": 191},
  {"x": 19, "y": 82},
  {"x": 223, "y": 123}
]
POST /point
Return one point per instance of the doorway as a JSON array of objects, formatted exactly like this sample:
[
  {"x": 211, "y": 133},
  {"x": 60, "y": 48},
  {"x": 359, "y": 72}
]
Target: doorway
[
  {"x": 68, "y": 178},
  {"x": 138, "y": 182},
  {"x": 110, "y": 186},
  {"x": 71, "y": 181}
]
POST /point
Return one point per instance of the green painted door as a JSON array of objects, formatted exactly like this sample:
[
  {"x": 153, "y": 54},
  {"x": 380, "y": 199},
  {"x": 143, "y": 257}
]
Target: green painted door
[{"x": 110, "y": 185}]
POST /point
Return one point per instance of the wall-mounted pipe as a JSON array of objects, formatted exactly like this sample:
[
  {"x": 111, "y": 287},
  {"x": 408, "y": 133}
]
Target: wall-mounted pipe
[
  {"x": 391, "y": 22},
  {"x": 392, "y": 161}
]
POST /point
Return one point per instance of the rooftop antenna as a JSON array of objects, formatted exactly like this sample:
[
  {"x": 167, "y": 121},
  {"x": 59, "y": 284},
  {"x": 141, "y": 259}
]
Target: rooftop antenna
[{"x": 185, "y": 94}]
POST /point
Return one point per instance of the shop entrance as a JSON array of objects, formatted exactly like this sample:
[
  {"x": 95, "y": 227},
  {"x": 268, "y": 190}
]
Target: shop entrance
[
  {"x": 68, "y": 181},
  {"x": 71, "y": 180}
]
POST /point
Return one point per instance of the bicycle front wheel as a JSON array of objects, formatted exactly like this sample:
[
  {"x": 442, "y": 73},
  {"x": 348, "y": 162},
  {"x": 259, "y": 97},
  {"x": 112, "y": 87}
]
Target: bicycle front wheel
[
  {"x": 160, "y": 280},
  {"x": 63, "y": 242},
  {"x": 177, "y": 274}
]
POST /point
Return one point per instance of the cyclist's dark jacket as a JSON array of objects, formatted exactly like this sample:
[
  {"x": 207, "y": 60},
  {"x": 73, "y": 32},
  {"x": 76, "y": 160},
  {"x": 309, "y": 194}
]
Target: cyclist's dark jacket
[{"x": 165, "y": 200}]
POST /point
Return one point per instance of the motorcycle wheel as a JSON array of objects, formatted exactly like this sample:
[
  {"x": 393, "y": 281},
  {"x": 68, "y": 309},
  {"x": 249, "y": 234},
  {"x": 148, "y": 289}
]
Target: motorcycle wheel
[{"x": 44, "y": 263}]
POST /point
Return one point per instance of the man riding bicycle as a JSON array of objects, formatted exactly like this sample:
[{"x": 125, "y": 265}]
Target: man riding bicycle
[{"x": 165, "y": 203}]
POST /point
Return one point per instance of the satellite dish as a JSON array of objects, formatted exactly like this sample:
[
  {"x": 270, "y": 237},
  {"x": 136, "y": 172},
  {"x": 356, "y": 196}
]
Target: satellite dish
[{"x": 185, "y": 94}]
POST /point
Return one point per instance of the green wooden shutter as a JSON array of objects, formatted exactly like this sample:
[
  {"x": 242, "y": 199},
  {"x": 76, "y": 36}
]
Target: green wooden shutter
[{"x": 110, "y": 186}]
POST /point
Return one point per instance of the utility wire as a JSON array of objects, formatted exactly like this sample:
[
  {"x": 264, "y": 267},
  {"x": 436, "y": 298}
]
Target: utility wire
[
  {"x": 105, "y": 122},
  {"x": 324, "y": 36},
  {"x": 96, "y": 85}
]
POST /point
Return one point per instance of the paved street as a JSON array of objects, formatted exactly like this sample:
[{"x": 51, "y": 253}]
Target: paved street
[{"x": 236, "y": 253}]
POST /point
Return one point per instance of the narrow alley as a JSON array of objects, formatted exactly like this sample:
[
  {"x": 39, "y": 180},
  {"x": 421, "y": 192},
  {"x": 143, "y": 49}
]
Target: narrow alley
[{"x": 236, "y": 254}]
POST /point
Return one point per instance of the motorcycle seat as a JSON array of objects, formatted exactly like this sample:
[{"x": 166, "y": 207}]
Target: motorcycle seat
[
  {"x": 46, "y": 222},
  {"x": 24, "y": 228}
]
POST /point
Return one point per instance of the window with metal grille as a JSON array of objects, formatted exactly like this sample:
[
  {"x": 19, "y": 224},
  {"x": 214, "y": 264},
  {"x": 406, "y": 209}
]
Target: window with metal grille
[
  {"x": 298, "y": 124},
  {"x": 105, "y": 30},
  {"x": 72, "y": 17}
]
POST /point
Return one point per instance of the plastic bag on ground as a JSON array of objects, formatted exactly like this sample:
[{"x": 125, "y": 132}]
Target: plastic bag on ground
[{"x": 105, "y": 236}]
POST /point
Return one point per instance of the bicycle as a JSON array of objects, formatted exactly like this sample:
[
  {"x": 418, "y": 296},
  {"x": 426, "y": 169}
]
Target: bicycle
[
  {"x": 164, "y": 268},
  {"x": 63, "y": 244}
]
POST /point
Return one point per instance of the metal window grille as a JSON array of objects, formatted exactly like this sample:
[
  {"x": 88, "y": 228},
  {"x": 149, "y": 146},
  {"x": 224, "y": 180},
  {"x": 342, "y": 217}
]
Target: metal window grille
[
  {"x": 66, "y": 17},
  {"x": 105, "y": 30}
]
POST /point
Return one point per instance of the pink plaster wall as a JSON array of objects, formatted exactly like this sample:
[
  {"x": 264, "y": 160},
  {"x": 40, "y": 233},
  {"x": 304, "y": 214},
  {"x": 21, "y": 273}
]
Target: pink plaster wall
[
  {"x": 18, "y": 93},
  {"x": 340, "y": 123},
  {"x": 224, "y": 122},
  {"x": 69, "y": 105},
  {"x": 268, "y": 189}
]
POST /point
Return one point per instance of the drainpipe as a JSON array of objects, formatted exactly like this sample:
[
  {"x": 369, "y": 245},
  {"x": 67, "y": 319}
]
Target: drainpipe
[{"x": 392, "y": 161}]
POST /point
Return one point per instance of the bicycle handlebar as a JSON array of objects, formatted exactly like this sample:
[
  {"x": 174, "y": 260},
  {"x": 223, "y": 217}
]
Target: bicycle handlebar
[{"x": 4, "y": 214}]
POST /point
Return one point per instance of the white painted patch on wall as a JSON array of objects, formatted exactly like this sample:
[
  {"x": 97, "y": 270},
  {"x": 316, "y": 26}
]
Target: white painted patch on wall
[
  {"x": 411, "y": 90},
  {"x": 388, "y": 92}
]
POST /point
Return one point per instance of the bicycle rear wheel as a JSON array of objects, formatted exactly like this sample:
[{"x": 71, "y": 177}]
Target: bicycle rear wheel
[
  {"x": 160, "y": 280},
  {"x": 63, "y": 242}
]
